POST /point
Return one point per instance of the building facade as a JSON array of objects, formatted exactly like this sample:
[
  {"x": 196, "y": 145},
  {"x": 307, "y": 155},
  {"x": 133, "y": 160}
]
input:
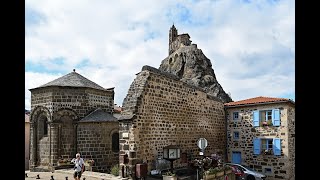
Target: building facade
[{"x": 261, "y": 135}]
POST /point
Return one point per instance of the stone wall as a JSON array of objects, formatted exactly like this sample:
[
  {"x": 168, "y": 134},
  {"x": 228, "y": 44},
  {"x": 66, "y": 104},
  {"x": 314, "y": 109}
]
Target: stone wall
[
  {"x": 181, "y": 40},
  {"x": 281, "y": 165},
  {"x": 159, "y": 110},
  {"x": 95, "y": 142},
  {"x": 291, "y": 141},
  {"x": 64, "y": 107},
  {"x": 67, "y": 138},
  {"x": 81, "y": 100},
  {"x": 43, "y": 151}
]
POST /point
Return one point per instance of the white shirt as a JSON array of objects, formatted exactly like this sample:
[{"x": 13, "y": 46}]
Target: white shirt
[{"x": 77, "y": 164}]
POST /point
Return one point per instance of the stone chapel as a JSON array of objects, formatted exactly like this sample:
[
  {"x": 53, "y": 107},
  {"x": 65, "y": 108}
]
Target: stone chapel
[{"x": 73, "y": 114}]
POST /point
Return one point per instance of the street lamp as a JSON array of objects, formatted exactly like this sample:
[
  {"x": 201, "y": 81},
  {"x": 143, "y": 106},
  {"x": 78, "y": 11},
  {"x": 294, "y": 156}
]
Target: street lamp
[{"x": 171, "y": 153}]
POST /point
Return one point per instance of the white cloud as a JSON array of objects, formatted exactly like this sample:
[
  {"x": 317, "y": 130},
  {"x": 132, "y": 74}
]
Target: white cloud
[
  {"x": 119, "y": 37},
  {"x": 33, "y": 80}
]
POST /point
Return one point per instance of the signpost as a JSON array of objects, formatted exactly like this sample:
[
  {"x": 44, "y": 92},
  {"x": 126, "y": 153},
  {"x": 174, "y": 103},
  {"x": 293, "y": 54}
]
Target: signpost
[{"x": 202, "y": 144}]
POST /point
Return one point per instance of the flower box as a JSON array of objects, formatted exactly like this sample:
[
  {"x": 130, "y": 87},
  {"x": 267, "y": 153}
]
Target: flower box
[
  {"x": 209, "y": 176},
  {"x": 64, "y": 162},
  {"x": 220, "y": 173}
]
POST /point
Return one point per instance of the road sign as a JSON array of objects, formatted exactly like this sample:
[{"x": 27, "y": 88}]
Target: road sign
[{"x": 202, "y": 143}]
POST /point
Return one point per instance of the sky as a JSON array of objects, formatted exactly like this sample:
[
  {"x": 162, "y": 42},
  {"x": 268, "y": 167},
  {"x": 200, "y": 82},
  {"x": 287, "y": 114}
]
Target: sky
[{"x": 250, "y": 43}]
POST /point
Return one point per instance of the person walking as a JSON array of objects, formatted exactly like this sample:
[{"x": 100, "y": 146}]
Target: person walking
[{"x": 78, "y": 166}]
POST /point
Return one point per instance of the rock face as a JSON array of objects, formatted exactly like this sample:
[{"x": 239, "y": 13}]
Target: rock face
[{"x": 190, "y": 64}]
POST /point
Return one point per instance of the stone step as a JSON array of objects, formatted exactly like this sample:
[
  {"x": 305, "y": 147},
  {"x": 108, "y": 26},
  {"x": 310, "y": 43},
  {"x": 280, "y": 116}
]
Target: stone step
[{"x": 41, "y": 169}]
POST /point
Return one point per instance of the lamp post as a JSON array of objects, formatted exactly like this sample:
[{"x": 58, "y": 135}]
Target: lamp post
[{"x": 171, "y": 153}]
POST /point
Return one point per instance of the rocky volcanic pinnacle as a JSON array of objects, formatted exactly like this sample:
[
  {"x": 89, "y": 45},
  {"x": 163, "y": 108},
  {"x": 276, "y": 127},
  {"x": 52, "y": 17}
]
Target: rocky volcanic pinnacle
[{"x": 193, "y": 67}]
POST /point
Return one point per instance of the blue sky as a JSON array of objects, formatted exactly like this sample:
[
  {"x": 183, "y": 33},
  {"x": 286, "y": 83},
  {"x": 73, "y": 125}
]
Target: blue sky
[{"x": 251, "y": 44}]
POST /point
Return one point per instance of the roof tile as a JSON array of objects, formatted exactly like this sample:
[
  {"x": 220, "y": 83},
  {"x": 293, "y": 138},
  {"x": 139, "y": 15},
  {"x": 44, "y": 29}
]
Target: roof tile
[
  {"x": 73, "y": 79},
  {"x": 257, "y": 100}
]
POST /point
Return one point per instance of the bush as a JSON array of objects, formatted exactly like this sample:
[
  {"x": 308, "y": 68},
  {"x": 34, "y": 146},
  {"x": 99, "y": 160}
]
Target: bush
[{"x": 115, "y": 170}]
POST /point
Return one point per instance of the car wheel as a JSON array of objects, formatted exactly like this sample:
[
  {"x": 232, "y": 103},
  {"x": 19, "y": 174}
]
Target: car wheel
[{"x": 250, "y": 177}]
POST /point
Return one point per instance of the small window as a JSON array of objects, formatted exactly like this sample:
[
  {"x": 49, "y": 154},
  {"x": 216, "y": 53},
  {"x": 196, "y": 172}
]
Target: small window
[
  {"x": 236, "y": 135},
  {"x": 235, "y": 115},
  {"x": 266, "y": 146},
  {"x": 268, "y": 115},
  {"x": 45, "y": 127},
  {"x": 268, "y": 170}
]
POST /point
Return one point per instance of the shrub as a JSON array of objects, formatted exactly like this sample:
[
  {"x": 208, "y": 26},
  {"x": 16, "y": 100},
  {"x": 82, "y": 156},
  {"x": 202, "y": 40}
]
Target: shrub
[
  {"x": 211, "y": 171},
  {"x": 169, "y": 173},
  {"x": 115, "y": 170}
]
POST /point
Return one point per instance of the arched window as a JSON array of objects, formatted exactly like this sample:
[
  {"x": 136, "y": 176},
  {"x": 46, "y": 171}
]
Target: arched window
[
  {"x": 45, "y": 127},
  {"x": 115, "y": 142}
]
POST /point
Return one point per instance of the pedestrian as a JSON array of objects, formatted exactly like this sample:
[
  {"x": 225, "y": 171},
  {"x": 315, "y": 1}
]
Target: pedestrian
[{"x": 78, "y": 166}]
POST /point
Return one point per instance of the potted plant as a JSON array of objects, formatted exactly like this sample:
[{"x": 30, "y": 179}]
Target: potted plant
[
  {"x": 62, "y": 162},
  {"x": 88, "y": 163},
  {"x": 169, "y": 176},
  {"x": 267, "y": 152}
]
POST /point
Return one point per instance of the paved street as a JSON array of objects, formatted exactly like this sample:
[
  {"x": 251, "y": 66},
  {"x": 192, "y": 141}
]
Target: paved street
[{"x": 61, "y": 174}]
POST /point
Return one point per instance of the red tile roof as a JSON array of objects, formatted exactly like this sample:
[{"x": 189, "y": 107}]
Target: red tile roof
[
  {"x": 258, "y": 100},
  {"x": 117, "y": 109}
]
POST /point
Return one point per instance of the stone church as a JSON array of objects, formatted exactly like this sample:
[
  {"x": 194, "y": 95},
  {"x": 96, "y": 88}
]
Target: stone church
[{"x": 73, "y": 114}]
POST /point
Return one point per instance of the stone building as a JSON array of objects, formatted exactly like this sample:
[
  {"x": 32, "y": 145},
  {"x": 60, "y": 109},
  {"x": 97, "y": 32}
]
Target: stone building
[
  {"x": 117, "y": 111},
  {"x": 177, "y": 40},
  {"x": 261, "y": 135},
  {"x": 68, "y": 115},
  {"x": 160, "y": 110}
]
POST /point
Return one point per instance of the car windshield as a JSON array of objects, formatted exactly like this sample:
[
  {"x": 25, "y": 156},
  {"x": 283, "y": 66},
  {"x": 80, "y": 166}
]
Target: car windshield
[{"x": 248, "y": 168}]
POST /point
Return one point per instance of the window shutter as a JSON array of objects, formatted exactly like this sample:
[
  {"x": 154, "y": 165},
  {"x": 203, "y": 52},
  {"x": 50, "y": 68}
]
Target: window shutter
[
  {"x": 256, "y": 146},
  {"x": 276, "y": 146},
  {"x": 256, "y": 118},
  {"x": 276, "y": 117}
]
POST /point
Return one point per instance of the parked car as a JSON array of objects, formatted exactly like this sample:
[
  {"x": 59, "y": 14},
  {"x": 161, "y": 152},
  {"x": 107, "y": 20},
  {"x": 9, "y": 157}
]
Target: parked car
[
  {"x": 238, "y": 173},
  {"x": 249, "y": 173}
]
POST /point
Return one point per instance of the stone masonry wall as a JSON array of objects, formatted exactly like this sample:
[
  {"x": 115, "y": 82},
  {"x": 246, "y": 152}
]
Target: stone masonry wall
[
  {"x": 82, "y": 100},
  {"x": 67, "y": 138},
  {"x": 181, "y": 40},
  {"x": 167, "y": 111},
  {"x": 281, "y": 165},
  {"x": 43, "y": 151},
  {"x": 291, "y": 140},
  {"x": 95, "y": 142}
]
